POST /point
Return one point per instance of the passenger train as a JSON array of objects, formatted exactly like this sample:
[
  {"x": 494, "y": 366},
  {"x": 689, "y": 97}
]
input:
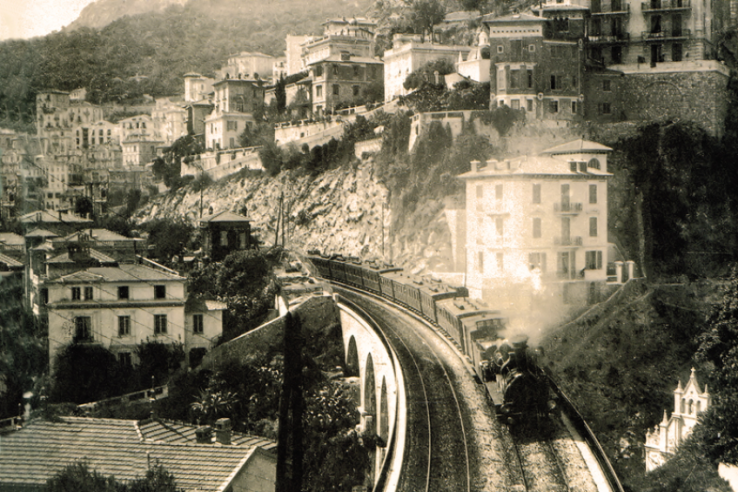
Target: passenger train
[{"x": 516, "y": 385}]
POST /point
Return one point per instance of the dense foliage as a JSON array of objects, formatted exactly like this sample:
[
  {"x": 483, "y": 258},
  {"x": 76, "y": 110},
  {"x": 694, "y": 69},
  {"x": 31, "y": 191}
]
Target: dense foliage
[
  {"x": 169, "y": 238},
  {"x": 90, "y": 372},
  {"x": 244, "y": 281},
  {"x": 678, "y": 200},
  {"x": 78, "y": 477},
  {"x": 23, "y": 353}
]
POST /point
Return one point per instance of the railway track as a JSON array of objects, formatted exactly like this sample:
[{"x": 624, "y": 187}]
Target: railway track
[
  {"x": 440, "y": 429},
  {"x": 437, "y": 455}
]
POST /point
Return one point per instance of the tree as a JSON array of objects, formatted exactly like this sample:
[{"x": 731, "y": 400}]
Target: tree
[
  {"x": 83, "y": 206},
  {"x": 425, "y": 75},
  {"x": 168, "y": 237},
  {"x": 425, "y": 14},
  {"x": 85, "y": 373},
  {"x": 78, "y": 477},
  {"x": 280, "y": 95}
]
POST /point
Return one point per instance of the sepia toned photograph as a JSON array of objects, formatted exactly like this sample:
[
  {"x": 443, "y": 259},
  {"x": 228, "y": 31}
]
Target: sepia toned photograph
[{"x": 369, "y": 246}]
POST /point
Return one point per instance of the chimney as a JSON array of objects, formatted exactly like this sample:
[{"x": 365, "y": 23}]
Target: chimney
[
  {"x": 475, "y": 166},
  {"x": 223, "y": 431},
  {"x": 204, "y": 434}
]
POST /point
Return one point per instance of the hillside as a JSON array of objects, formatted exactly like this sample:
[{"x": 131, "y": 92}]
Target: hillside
[
  {"x": 149, "y": 53},
  {"x": 620, "y": 363},
  {"x": 102, "y": 12}
]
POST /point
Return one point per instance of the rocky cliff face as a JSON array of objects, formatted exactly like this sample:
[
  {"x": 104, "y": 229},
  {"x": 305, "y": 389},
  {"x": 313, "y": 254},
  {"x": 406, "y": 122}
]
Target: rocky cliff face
[{"x": 339, "y": 211}]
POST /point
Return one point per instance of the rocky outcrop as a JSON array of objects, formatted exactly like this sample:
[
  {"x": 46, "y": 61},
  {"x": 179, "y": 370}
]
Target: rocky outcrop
[{"x": 337, "y": 211}]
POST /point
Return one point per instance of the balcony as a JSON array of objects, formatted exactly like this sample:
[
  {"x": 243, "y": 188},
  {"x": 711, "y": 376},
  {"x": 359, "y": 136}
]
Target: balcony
[
  {"x": 622, "y": 37},
  {"x": 567, "y": 208},
  {"x": 666, "y": 35},
  {"x": 665, "y": 6},
  {"x": 617, "y": 10},
  {"x": 568, "y": 241}
]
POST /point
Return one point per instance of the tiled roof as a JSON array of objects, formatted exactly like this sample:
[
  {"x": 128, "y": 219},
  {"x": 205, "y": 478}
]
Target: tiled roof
[
  {"x": 64, "y": 258},
  {"x": 99, "y": 235},
  {"x": 161, "y": 430},
  {"x": 579, "y": 146},
  {"x": 225, "y": 216},
  {"x": 122, "y": 273},
  {"x": 41, "y": 233},
  {"x": 515, "y": 18},
  {"x": 11, "y": 239},
  {"x": 356, "y": 59},
  {"x": 11, "y": 262},
  {"x": 121, "y": 448},
  {"x": 45, "y": 216}
]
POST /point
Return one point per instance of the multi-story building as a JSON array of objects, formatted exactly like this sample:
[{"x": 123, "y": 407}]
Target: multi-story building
[
  {"x": 293, "y": 53},
  {"x": 197, "y": 87},
  {"x": 249, "y": 66},
  {"x": 343, "y": 80},
  {"x": 58, "y": 118},
  {"x": 139, "y": 149},
  {"x": 235, "y": 101},
  {"x": 170, "y": 119},
  {"x": 279, "y": 69},
  {"x": 410, "y": 53},
  {"x": 139, "y": 124},
  {"x": 224, "y": 233},
  {"x": 536, "y": 65},
  {"x": 122, "y": 306},
  {"x": 354, "y": 36},
  {"x": 540, "y": 218}
]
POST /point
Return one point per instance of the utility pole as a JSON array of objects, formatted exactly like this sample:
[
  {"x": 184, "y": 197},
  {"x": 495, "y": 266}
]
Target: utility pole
[
  {"x": 381, "y": 222},
  {"x": 279, "y": 217}
]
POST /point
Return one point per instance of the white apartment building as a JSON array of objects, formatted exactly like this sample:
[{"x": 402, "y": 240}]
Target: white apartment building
[
  {"x": 540, "y": 218},
  {"x": 197, "y": 87},
  {"x": 247, "y": 65},
  {"x": 119, "y": 307},
  {"x": 408, "y": 54}
]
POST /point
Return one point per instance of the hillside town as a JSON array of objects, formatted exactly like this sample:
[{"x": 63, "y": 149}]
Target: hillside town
[{"x": 168, "y": 234}]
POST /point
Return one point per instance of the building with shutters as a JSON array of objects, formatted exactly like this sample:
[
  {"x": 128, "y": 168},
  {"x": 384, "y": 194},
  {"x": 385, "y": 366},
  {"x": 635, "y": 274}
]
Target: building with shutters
[{"x": 539, "y": 219}]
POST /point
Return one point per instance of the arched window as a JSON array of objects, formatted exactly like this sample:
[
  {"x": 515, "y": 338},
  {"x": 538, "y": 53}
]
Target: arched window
[
  {"x": 699, "y": 406},
  {"x": 689, "y": 411},
  {"x": 681, "y": 410}
]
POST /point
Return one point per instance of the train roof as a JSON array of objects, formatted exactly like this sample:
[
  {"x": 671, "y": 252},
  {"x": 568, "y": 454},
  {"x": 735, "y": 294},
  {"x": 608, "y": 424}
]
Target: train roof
[
  {"x": 434, "y": 288},
  {"x": 462, "y": 307}
]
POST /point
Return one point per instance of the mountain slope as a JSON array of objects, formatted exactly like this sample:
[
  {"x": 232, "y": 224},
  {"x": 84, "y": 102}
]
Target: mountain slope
[{"x": 102, "y": 12}]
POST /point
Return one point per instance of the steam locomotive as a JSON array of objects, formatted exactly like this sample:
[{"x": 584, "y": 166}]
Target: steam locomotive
[{"x": 516, "y": 385}]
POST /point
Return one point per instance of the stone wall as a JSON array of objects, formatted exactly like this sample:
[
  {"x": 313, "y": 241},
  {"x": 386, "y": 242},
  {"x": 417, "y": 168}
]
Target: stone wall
[
  {"x": 316, "y": 314},
  {"x": 699, "y": 96}
]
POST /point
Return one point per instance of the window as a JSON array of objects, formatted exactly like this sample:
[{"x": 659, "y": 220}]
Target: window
[
  {"x": 536, "y": 227},
  {"x": 124, "y": 326},
  {"x": 532, "y": 48},
  {"x": 160, "y": 291},
  {"x": 335, "y": 69},
  {"x": 242, "y": 240},
  {"x": 499, "y": 226},
  {"x": 593, "y": 260},
  {"x": 480, "y": 261},
  {"x": 197, "y": 324},
  {"x": 356, "y": 72},
  {"x": 160, "y": 324},
  {"x": 536, "y": 193},
  {"x": 514, "y": 76},
  {"x": 593, "y": 193},
  {"x": 515, "y": 104},
  {"x": 318, "y": 91},
  {"x": 529, "y": 104},
  {"x": 498, "y": 192},
  {"x": 605, "y": 108},
  {"x": 555, "y": 82},
  {"x": 500, "y": 262},
  {"x": 529, "y": 77},
  {"x": 500, "y": 49},
  {"x": 123, "y": 292},
  {"x": 355, "y": 90},
  {"x": 553, "y": 106},
  {"x": 480, "y": 191},
  {"x": 76, "y": 293},
  {"x": 574, "y": 81},
  {"x": 231, "y": 126},
  {"x": 224, "y": 238},
  {"x": 124, "y": 359},
  {"x": 593, "y": 227},
  {"x": 676, "y": 52},
  {"x": 573, "y": 107},
  {"x": 537, "y": 261},
  {"x": 606, "y": 86},
  {"x": 82, "y": 329},
  {"x": 44, "y": 296},
  {"x": 88, "y": 293},
  {"x": 563, "y": 264},
  {"x": 319, "y": 72},
  {"x": 336, "y": 90}
]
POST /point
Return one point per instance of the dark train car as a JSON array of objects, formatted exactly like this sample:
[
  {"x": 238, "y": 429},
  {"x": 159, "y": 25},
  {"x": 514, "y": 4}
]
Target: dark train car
[
  {"x": 373, "y": 272},
  {"x": 466, "y": 321},
  {"x": 434, "y": 291},
  {"x": 338, "y": 269},
  {"x": 354, "y": 273},
  {"x": 404, "y": 290},
  {"x": 322, "y": 265}
]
